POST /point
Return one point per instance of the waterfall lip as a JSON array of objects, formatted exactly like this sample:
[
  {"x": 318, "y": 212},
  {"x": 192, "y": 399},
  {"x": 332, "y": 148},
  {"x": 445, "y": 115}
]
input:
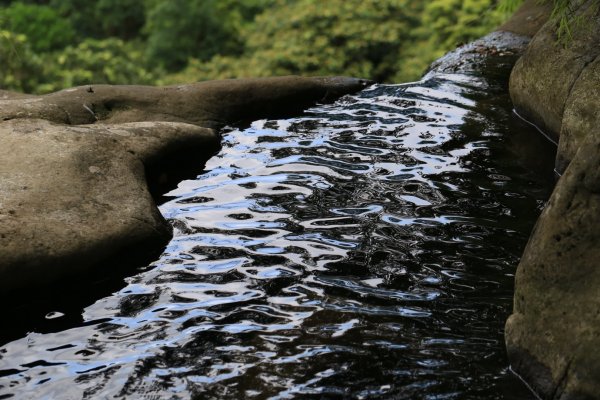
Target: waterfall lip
[{"x": 468, "y": 59}]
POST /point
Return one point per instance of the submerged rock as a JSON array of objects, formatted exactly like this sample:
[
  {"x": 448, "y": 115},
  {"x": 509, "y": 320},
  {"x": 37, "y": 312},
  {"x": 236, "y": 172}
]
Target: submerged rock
[{"x": 74, "y": 165}]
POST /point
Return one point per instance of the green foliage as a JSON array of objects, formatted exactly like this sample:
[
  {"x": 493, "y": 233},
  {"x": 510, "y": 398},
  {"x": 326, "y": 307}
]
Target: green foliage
[
  {"x": 180, "y": 29},
  {"x": 95, "y": 61},
  {"x": 385, "y": 40},
  {"x": 43, "y": 26},
  {"x": 243, "y": 12},
  {"x": 20, "y": 66},
  {"x": 51, "y": 44},
  {"x": 454, "y": 22},
  {"x": 120, "y": 18},
  {"x": 81, "y": 14},
  {"x": 103, "y": 18},
  {"x": 352, "y": 37}
]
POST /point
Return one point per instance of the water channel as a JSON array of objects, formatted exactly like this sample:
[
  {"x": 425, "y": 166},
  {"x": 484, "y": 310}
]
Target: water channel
[{"x": 365, "y": 249}]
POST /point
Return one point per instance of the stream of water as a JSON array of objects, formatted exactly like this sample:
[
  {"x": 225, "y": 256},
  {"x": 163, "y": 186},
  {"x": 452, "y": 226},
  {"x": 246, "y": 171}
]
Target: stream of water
[{"x": 366, "y": 249}]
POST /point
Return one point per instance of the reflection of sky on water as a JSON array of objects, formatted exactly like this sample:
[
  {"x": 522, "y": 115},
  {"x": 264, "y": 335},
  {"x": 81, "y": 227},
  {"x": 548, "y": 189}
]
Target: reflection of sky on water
[{"x": 346, "y": 252}]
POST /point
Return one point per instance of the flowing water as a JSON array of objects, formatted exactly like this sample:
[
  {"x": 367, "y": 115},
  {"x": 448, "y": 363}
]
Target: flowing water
[{"x": 366, "y": 249}]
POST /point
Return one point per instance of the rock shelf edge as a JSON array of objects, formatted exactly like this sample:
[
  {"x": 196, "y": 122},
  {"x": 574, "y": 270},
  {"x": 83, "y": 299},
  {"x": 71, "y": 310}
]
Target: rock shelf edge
[
  {"x": 74, "y": 166},
  {"x": 553, "y": 335}
]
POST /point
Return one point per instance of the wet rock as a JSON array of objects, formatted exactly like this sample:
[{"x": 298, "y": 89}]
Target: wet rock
[
  {"x": 74, "y": 165},
  {"x": 528, "y": 19},
  {"x": 554, "y": 85},
  {"x": 553, "y": 335},
  {"x": 502, "y": 46},
  {"x": 582, "y": 112},
  {"x": 471, "y": 58}
]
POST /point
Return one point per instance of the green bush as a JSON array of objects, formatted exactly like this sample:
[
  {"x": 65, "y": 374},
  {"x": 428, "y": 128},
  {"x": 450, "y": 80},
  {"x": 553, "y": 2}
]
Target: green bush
[
  {"x": 21, "y": 68},
  {"x": 110, "y": 61},
  {"x": 103, "y": 18},
  {"x": 352, "y": 37},
  {"x": 43, "y": 26},
  {"x": 136, "y": 41},
  {"x": 180, "y": 29}
]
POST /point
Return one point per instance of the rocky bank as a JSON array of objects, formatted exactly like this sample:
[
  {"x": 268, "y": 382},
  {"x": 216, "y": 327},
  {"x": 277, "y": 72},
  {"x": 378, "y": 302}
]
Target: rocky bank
[
  {"x": 553, "y": 335},
  {"x": 76, "y": 165}
]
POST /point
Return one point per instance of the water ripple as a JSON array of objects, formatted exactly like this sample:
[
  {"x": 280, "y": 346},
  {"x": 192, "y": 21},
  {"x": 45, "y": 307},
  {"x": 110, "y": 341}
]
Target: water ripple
[{"x": 365, "y": 249}]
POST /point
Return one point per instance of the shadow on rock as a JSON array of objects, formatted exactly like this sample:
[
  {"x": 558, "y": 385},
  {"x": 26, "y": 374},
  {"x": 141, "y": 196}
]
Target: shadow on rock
[{"x": 82, "y": 169}]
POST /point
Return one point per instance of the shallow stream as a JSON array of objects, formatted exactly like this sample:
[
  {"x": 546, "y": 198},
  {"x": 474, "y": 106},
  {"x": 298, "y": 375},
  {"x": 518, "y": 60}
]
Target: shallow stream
[{"x": 366, "y": 249}]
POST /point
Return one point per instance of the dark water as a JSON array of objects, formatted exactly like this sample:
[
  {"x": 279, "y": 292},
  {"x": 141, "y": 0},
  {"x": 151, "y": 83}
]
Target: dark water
[{"x": 364, "y": 250}]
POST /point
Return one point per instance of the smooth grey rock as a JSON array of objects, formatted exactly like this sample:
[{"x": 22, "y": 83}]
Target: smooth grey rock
[
  {"x": 73, "y": 165},
  {"x": 72, "y": 197},
  {"x": 210, "y": 104}
]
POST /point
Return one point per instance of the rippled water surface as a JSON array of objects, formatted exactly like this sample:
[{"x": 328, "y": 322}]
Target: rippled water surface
[{"x": 364, "y": 250}]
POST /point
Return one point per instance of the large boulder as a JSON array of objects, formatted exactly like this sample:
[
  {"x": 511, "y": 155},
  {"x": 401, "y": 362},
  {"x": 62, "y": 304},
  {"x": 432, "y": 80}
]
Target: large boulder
[
  {"x": 73, "y": 196},
  {"x": 209, "y": 104},
  {"x": 581, "y": 116},
  {"x": 555, "y": 85},
  {"x": 553, "y": 335},
  {"x": 75, "y": 165}
]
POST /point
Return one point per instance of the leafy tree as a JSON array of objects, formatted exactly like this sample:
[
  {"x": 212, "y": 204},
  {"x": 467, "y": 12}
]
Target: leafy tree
[
  {"x": 103, "y": 18},
  {"x": 455, "y": 22},
  {"x": 43, "y": 26},
  {"x": 120, "y": 18},
  {"x": 21, "y": 68},
  {"x": 180, "y": 29},
  {"x": 81, "y": 14},
  {"x": 242, "y": 13},
  {"x": 96, "y": 61},
  {"x": 353, "y": 37},
  {"x": 49, "y": 44}
]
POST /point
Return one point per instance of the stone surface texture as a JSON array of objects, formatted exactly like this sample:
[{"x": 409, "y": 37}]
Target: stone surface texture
[
  {"x": 553, "y": 335},
  {"x": 74, "y": 165},
  {"x": 581, "y": 116},
  {"x": 554, "y": 85}
]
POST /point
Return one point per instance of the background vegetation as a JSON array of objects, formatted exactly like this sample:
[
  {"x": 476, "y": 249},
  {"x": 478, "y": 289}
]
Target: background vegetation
[{"x": 46, "y": 45}]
